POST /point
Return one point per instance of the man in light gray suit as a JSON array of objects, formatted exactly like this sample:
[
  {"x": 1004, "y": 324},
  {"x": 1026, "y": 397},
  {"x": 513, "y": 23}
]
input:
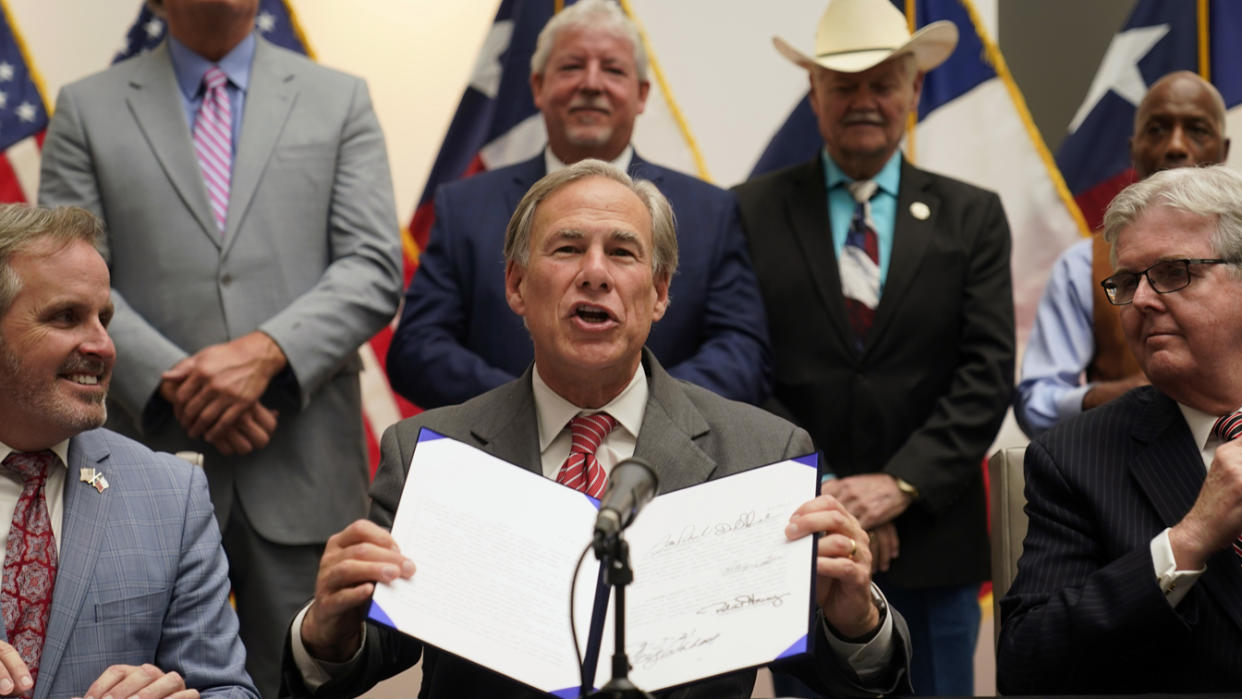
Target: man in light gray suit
[
  {"x": 589, "y": 257},
  {"x": 122, "y": 538},
  {"x": 240, "y": 310}
]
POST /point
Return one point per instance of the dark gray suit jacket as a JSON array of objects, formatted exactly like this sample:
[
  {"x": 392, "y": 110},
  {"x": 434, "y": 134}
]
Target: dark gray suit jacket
[
  {"x": 1085, "y": 614},
  {"x": 689, "y": 435}
]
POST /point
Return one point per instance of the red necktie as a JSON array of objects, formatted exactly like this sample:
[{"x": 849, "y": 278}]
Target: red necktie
[
  {"x": 581, "y": 471},
  {"x": 859, "y": 264},
  {"x": 1229, "y": 428},
  {"x": 29, "y": 559},
  {"x": 213, "y": 142}
]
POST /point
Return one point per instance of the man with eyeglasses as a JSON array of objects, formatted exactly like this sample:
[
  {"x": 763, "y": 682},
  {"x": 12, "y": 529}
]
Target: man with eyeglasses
[
  {"x": 1131, "y": 573},
  {"x": 1076, "y": 357}
]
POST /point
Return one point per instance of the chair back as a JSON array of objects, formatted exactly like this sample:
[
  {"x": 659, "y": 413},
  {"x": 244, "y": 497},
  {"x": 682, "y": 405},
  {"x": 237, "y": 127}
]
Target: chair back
[{"x": 1008, "y": 497}]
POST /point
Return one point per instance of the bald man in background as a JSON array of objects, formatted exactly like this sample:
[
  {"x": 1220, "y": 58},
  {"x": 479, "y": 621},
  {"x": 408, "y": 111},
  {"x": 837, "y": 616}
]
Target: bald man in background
[{"x": 1077, "y": 333}]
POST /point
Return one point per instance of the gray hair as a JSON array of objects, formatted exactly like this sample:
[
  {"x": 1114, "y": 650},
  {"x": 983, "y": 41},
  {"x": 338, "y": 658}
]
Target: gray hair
[
  {"x": 23, "y": 226},
  {"x": 663, "y": 223},
  {"x": 599, "y": 14},
  {"x": 1213, "y": 192}
]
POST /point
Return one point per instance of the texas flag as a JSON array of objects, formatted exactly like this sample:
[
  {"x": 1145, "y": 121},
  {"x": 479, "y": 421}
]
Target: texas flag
[
  {"x": 973, "y": 125},
  {"x": 1159, "y": 37}
]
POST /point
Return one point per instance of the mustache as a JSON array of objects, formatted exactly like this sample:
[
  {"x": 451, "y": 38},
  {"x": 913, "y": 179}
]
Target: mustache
[
  {"x": 866, "y": 117},
  {"x": 78, "y": 364},
  {"x": 591, "y": 102}
]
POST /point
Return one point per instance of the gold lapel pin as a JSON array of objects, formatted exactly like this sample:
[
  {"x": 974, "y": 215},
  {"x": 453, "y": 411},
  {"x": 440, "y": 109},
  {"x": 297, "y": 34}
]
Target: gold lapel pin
[
  {"x": 94, "y": 478},
  {"x": 920, "y": 210}
]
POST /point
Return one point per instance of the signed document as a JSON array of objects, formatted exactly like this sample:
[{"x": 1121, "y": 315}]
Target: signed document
[{"x": 716, "y": 588}]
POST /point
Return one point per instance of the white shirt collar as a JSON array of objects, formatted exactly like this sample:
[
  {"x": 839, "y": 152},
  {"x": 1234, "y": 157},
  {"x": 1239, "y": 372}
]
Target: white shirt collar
[
  {"x": 554, "y": 412},
  {"x": 551, "y": 163},
  {"x": 60, "y": 449}
]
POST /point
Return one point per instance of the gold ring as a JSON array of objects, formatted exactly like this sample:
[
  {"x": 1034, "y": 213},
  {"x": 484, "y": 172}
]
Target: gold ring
[{"x": 853, "y": 548}]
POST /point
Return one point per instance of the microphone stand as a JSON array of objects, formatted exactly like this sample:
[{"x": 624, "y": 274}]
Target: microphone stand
[{"x": 614, "y": 552}]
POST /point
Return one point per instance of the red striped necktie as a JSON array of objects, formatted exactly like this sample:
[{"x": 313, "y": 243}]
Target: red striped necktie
[
  {"x": 1227, "y": 429},
  {"x": 29, "y": 559},
  {"x": 581, "y": 471}
]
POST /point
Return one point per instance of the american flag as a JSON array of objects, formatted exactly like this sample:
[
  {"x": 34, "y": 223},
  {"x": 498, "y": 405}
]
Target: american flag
[
  {"x": 23, "y": 116},
  {"x": 276, "y": 22}
]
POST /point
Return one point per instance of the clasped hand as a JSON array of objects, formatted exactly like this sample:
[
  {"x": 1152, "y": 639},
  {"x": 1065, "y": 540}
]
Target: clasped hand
[{"x": 215, "y": 392}]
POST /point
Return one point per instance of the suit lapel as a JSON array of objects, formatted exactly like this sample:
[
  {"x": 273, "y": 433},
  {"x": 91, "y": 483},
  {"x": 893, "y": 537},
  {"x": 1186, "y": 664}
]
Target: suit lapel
[
  {"x": 511, "y": 432},
  {"x": 269, "y": 101},
  {"x": 670, "y": 427},
  {"x": 910, "y": 238},
  {"x": 154, "y": 99},
  {"x": 806, "y": 203},
  {"x": 1170, "y": 474},
  {"x": 82, "y": 533}
]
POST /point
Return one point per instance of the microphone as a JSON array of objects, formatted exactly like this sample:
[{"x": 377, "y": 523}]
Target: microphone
[{"x": 631, "y": 485}]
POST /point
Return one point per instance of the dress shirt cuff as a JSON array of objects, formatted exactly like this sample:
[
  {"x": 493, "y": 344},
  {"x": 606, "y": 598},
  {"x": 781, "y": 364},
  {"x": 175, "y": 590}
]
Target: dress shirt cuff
[
  {"x": 869, "y": 660},
  {"x": 1069, "y": 403},
  {"x": 316, "y": 673},
  {"x": 1173, "y": 583}
]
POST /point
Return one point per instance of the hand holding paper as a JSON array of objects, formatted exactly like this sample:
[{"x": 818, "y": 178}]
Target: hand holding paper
[
  {"x": 353, "y": 561},
  {"x": 842, "y": 565}
]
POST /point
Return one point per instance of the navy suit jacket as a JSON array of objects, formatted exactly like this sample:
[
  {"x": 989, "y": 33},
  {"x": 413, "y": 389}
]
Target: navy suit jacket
[
  {"x": 458, "y": 337},
  {"x": 1085, "y": 613},
  {"x": 141, "y": 576},
  {"x": 925, "y": 397}
]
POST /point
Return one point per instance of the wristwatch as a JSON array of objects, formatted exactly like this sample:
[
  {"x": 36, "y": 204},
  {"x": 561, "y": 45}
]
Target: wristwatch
[{"x": 907, "y": 487}]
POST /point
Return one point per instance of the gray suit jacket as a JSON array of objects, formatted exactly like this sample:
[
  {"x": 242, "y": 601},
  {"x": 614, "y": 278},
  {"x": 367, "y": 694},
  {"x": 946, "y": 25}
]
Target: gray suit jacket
[
  {"x": 689, "y": 435},
  {"x": 141, "y": 576},
  {"x": 311, "y": 256}
]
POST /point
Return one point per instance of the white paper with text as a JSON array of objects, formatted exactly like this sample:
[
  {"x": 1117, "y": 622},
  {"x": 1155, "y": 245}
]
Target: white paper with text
[{"x": 717, "y": 588}]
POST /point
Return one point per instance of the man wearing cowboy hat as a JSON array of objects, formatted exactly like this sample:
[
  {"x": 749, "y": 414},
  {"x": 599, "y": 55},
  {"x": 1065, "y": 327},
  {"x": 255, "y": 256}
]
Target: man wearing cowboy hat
[{"x": 890, "y": 311}]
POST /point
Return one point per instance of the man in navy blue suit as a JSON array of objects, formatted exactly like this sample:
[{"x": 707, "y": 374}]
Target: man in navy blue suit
[
  {"x": 1131, "y": 578},
  {"x": 457, "y": 337}
]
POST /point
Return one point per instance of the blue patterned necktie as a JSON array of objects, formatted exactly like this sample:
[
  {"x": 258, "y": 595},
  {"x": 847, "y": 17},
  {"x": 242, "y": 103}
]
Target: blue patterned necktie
[{"x": 859, "y": 264}]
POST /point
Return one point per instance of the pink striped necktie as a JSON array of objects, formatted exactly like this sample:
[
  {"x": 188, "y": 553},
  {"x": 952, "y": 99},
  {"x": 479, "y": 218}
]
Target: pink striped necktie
[
  {"x": 29, "y": 560},
  {"x": 859, "y": 264},
  {"x": 581, "y": 471},
  {"x": 213, "y": 142},
  {"x": 1227, "y": 429}
]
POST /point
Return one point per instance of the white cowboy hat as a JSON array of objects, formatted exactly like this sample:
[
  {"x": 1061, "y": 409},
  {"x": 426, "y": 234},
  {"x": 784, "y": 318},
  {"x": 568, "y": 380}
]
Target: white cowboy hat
[{"x": 855, "y": 35}]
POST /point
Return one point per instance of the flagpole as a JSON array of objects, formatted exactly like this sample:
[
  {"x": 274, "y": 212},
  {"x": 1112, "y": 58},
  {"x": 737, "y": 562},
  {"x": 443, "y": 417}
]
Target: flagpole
[
  {"x": 1205, "y": 54},
  {"x": 912, "y": 119}
]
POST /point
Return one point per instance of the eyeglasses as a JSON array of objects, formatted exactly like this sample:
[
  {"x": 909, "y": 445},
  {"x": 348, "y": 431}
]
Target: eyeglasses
[{"x": 1165, "y": 276}]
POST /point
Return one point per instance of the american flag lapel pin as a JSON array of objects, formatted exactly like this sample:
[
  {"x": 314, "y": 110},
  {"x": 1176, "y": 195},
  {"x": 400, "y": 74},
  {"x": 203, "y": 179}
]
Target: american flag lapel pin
[{"x": 95, "y": 478}]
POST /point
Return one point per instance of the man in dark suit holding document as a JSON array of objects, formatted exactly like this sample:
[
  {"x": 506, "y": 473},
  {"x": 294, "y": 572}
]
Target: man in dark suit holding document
[{"x": 589, "y": 256}]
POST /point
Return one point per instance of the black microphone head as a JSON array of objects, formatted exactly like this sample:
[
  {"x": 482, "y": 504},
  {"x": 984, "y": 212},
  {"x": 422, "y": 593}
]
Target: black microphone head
[{"x": 631, "y": 485}]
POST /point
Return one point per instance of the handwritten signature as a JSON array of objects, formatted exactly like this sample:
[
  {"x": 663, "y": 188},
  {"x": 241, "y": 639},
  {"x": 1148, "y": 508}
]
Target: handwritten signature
[
  {"x": 648, "y": 654},
  {"x": 693, "y": 532},
  {"x": 741, "y": 602}
]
